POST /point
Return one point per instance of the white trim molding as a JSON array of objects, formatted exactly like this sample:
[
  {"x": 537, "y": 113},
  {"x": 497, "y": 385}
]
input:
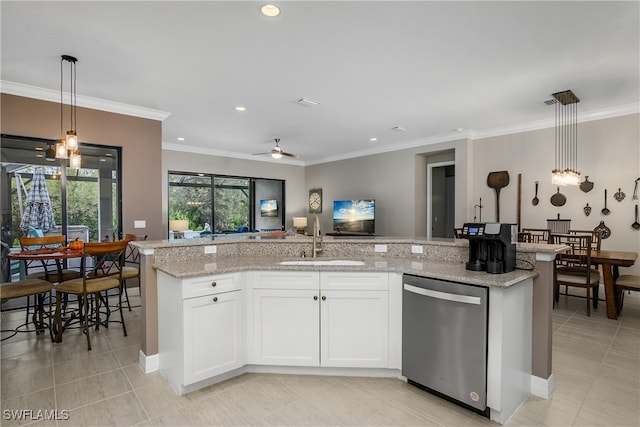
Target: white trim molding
[
  {"x": 541, "y": 387},
  {"x": 149, "y": 363},
  {"x": 19, "y": 89}
]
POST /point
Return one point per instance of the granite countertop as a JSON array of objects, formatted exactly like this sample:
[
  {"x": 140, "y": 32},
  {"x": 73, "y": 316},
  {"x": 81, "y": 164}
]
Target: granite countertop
[{"x": 410, "y": 265}]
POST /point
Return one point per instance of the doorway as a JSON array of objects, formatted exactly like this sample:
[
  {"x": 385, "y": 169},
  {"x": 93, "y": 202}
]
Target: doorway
[{"x": 441, "y": 195}]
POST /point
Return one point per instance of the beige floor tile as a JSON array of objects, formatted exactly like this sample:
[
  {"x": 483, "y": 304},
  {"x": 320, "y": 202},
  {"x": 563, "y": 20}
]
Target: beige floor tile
[
  {"x": 558, "y": 411},
  {"x": 627, "y": 340},
  {"x": 31, "y": 344},
  {"x": 120, "y": 411},
  {"x": 159, "y": 398},
  {"x": 624, "y": 360},
  {"x": 577, "y": 348},
  {"x": 138, "y": 379},
  {"x": 129, "y": 355},
  {"x": 300, "y": 413},
  {"x": 89, "y": 365},
  {"x": 25, "y": 363},
  {"x": 36, "y": 401},
  {"x": 91, "y": 389},
  {"x": 27, "y": 382},
  {"x": 618, "y": 376},
  {"x": 599, "y": 336}
]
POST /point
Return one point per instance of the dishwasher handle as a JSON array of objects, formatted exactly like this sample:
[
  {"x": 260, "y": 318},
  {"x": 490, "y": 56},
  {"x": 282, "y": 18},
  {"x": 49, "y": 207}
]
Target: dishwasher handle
[{"x": 465, "y": 299}]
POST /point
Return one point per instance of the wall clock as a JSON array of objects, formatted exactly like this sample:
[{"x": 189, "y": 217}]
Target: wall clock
[{"x": 315, "y": 200}]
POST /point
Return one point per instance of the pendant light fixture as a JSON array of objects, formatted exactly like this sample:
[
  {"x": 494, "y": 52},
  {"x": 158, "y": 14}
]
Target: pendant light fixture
[
  {"x": 566, "y": 139},
  {"x": 67, "y": 148}
]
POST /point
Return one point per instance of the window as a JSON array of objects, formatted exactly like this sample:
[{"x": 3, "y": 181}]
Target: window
[
  {"x": 86, "y": 202},
  {"x": 201, "y": 202}
]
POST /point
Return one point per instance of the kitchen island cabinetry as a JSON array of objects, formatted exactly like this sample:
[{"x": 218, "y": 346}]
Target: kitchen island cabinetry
[
  {"x": 202, "y": 328},
  {"x": 329, "y": 319}
]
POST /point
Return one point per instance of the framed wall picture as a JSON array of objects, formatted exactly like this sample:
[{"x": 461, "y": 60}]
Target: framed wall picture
[
  {"x": 315, "y": 200},
  {"x": 269, "y": 207}
]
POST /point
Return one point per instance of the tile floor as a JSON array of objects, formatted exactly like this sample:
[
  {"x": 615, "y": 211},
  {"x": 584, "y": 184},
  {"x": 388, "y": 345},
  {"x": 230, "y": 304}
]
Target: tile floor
[{"x": 596, "y": 367}]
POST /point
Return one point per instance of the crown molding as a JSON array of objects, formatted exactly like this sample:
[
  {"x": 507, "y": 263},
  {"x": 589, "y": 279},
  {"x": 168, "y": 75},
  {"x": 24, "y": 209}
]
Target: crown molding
[{"x": 19, "y": 89}]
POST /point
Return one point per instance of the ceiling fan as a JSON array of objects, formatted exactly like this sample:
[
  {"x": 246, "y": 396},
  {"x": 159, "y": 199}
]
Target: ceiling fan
[{"x": 276, "y": 152}]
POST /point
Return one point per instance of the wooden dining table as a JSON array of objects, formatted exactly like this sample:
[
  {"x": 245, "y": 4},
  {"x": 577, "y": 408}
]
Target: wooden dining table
[
  {"x": 58, "y": 254},
  {"x": 610, "y": 262}
]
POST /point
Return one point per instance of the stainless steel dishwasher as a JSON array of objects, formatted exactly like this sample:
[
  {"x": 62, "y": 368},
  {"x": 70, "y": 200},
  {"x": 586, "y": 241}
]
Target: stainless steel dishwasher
[{"x": 444, "y": 339}]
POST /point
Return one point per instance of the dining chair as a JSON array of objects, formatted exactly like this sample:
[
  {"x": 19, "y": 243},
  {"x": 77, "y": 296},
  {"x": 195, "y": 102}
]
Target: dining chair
[
  {"x": 36, "y": 288},
  {"x": 574, "y": 267},
  {"x": 524, "y": 237},
  {"x": 131, "y": 268},
  {"x": 101, "y": 271},
  {"x": 596, "y": 237},
  {"x": 537, "y": 235}
]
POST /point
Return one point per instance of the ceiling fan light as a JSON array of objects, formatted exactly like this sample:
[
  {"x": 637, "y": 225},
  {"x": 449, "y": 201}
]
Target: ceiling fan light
[{"x": 276, "y": 154}]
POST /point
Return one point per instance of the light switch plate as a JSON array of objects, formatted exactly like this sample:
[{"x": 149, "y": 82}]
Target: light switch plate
[
  {"x": 210, "y": 249},
  {"x": 381, "y": 248},
  {"x": 139, "y": 223},
  {"x": 417, "y": 249}
]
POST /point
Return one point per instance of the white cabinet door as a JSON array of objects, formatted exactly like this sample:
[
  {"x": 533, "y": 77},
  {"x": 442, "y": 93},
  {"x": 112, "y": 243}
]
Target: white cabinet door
[
  {"x": 213, "y": 335},
  {"x": 354, "y": 328},
  {"x": 286, "y": 327}
]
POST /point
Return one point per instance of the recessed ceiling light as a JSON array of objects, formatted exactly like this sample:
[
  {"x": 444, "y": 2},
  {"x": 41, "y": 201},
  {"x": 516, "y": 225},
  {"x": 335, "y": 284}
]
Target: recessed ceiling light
[
  {"x": 373, "y": 139},
  {"x": 180, "y": 138},
  {"x": 241, "y": 108},
  {"x": 102, "y": 159},
  {"x": 39, "y": 149},
  {"x": 270, "y": 10},
  {"x": 39, "y": 155}
]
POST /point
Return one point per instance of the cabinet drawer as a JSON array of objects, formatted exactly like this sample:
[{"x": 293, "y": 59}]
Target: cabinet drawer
[
  {"x": 354, "y": 281},
  {"x": 286, "y": 280},
  {"x": 209, "y": 285}
]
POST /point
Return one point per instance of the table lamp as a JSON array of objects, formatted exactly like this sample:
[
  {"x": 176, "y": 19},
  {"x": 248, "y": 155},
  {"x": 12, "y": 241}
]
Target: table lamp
[
  {"x": 300, "y": 223},
  {"x": 178, "y": 226}
]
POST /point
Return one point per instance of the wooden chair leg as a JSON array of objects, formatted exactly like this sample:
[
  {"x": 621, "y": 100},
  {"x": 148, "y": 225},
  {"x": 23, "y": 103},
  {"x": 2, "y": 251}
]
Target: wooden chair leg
[{"x": 588, "y": 297}]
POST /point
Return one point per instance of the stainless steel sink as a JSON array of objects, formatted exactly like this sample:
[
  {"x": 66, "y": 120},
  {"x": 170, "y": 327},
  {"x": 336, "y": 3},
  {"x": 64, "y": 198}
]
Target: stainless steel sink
[{"x": 345, "y": 262}]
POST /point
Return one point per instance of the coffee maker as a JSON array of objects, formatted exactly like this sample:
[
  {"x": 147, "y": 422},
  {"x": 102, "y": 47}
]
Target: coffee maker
[{"x": 492, "y": 247}]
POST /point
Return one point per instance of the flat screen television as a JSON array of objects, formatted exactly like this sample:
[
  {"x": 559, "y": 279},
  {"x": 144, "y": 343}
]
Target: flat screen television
[{"x": 354, "y": 216}]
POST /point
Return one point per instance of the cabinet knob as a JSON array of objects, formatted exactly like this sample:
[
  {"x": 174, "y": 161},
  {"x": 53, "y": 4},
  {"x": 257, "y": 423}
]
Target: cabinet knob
[
  {"x": 315, "y": 297},
  {"x": 324, "y": 298},
  {"x": 215, "y": 299},
  {"x": 213, "y": 284}
]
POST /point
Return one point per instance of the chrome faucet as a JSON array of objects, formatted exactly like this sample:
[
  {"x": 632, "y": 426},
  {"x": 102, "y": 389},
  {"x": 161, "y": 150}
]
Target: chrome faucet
[{"x": 317, "y": 237}]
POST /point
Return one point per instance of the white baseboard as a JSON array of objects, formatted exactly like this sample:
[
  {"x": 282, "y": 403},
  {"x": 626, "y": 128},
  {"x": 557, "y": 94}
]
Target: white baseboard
[
  {"x": 541, "y": 387},
  {"x": 149, "y": 363}
]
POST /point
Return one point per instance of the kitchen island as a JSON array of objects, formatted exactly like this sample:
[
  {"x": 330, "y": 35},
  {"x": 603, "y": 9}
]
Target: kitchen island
[{"x": 254, "y": 270}]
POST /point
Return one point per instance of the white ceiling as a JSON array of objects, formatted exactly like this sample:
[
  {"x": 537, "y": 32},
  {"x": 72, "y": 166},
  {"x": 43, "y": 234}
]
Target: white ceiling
[{"x": 429, "y": 67}]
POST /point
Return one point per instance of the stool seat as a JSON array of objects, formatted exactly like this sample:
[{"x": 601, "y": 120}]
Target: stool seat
[
  {"x": 23, "y": 288},
  {"x": 625, "y": 282},
  {"x": 628, "y": 281}
]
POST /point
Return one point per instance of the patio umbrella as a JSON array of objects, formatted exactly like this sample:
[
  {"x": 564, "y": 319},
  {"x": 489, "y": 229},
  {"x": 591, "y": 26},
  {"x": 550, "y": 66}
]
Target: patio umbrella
[{"x": 37, "y": 211}]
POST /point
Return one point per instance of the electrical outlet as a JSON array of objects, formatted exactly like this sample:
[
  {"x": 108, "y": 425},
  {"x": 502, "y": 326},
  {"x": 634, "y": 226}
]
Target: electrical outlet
[
  {"x": 417, "y": 249},
  {"x": 381, "y": 248},
  {"x": 139, "y": 223},
  {"x": 210, "y": 249}
]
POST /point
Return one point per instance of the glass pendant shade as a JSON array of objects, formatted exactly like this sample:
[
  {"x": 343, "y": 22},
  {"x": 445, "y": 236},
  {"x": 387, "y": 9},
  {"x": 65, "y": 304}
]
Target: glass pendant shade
[
  {"x": 72, "y": 140},
  {"x": 61, "y": 150},
  {"x": 75, "y": 160}
]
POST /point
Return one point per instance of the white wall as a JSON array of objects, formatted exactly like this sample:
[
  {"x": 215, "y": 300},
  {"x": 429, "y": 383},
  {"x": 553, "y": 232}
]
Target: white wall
[{"x": 608, "y": 152}]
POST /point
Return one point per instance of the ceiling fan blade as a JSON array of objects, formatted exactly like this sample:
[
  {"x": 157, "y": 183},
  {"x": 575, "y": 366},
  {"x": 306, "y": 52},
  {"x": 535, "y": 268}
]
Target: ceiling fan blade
[
  {"x": 260, "y": 154},
  {"x": 295, "y": 156}
]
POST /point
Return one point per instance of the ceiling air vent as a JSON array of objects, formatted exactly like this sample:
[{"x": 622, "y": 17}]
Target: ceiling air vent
[{"x": 307, "y": 102}]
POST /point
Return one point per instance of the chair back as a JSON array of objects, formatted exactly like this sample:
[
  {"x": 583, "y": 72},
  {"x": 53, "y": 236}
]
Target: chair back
[
  {"x": 132, "y": 255},
  {"x": 537, "y": 235},
  {"x": 596, "y": 237},
  {"x": 34, "y": 243},
  {"x": 104, "y": 259},
  {"x": 578, "y": 256}
]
